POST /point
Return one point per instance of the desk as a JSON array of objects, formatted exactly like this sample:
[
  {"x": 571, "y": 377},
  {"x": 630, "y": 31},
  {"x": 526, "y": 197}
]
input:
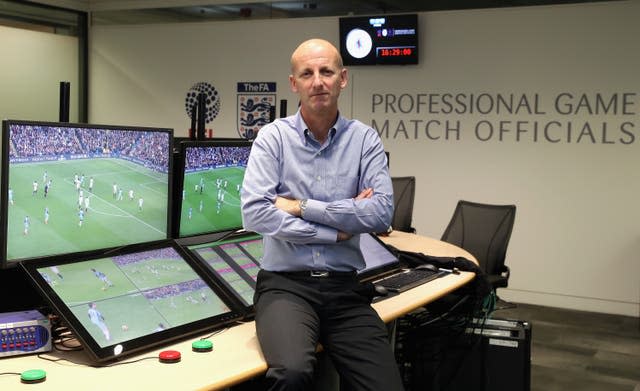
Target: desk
[{"x": 236, "y": 353}]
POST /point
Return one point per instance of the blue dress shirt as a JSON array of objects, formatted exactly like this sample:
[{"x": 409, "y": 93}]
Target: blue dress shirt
[{"x": 287, "y": 161}]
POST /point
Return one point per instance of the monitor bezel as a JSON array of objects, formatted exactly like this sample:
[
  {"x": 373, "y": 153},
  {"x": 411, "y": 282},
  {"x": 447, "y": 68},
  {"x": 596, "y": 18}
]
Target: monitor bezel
[
  {"x": 380, "y": 270},
  {"x": 179, "y": 183},
  {"x": 5, "y": 177},
  {"x": 234, "y": 237},
  {"x": 140, "y": 344}
]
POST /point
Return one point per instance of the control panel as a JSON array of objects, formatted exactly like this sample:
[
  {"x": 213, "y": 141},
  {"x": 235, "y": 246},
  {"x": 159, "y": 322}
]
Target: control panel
[{"x": 24, "y": 332}]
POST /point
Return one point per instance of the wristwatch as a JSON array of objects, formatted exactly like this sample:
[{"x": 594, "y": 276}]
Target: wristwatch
[{"x": 303, "y": 207}]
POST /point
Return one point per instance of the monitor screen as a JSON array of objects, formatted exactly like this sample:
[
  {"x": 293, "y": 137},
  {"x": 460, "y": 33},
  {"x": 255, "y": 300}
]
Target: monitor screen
[
  {"x": 211, "y": 174},
  {"x": 132, "y": 299},
  {"x": 378, "y": 258},
  {"x": 235, "y": 262},
  {"x": 379, "y": 40},
  {"x": 76, "y": 187}
]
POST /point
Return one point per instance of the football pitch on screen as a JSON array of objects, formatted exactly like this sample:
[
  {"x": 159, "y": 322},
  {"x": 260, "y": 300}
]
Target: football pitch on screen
[
  {"x": 108, "y": 220},
  {"x": 206, "y": 211},
  {"x": 127, "y": 313}
]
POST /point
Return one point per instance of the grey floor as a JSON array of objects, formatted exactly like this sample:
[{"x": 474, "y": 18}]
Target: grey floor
[{"x": 576, "y": 350}]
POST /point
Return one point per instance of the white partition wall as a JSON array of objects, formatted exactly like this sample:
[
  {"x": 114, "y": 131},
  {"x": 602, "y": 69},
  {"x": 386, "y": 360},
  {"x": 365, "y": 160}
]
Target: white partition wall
[
  {"x": 536, "y": 106},
  {"x": 32, "y": 65}
]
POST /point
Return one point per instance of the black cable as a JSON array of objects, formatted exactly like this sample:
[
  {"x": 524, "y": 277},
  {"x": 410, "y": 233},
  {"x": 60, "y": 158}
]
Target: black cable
[{"x": 214, "y": 333}]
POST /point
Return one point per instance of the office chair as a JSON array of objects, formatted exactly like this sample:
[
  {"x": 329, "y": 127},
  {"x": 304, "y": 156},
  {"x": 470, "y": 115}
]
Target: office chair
[
  {"x": 404, "y": 189},
  {"x": 484, "y": 230}
]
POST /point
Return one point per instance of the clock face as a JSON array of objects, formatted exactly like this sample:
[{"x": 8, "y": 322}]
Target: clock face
[{"x": 358, "y": 43}]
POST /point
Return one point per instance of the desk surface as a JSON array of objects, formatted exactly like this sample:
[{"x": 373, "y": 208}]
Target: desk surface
[{"x": 236, "y": 354}]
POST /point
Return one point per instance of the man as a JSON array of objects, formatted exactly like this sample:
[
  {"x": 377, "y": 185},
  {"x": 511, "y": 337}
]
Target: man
[
  {"x": 313, "y": 183},
  {"x": 96, "y": 318}
]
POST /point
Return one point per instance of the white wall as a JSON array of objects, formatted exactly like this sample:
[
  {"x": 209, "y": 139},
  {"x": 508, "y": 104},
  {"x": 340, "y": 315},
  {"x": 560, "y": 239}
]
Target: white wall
[
  {"x": 32, "y": 66},
  {"x": 577, "y": 234}
]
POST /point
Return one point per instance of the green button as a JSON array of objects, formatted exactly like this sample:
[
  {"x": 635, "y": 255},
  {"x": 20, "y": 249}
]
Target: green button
[
  {"x": 33, "y": 376},
  {"x": 202, "y": 345}
]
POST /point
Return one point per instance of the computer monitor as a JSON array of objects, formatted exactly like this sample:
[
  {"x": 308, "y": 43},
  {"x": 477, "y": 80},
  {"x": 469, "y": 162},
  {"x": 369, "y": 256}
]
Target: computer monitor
[
  {"x": 131, "y": 299},
  {"x": 378, "y": 258},
  {"x": 210, "y": 176},
  {"x": 234, "y": 262},
  {"x": 70, "y": 188}
]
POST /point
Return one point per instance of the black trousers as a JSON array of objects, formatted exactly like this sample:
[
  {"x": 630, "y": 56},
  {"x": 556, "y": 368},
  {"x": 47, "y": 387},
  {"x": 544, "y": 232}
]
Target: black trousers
[{"x": 295, "y": 313}]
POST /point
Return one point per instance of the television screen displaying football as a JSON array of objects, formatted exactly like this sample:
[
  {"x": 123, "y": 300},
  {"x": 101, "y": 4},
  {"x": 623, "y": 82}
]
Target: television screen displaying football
[{"x": 75, "y": 187}]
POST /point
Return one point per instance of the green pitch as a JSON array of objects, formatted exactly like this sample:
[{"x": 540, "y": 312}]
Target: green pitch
[
  {"x": 208, "y": 212},
  {"x": 108, "y": 221},
  {"x": 127, "y": 312}
]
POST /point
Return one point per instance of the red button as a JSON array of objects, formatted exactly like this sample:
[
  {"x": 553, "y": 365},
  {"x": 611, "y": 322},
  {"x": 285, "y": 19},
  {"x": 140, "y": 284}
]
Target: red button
[{"x": 169, "y": 356}]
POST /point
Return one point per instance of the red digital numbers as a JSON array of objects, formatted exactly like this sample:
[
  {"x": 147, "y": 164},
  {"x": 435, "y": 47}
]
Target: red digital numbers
[{"x": 395, "y": 52}]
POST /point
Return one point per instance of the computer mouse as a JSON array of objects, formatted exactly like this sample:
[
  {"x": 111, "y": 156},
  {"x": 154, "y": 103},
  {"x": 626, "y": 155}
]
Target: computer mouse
[
  {"x": 381, "y": 291},
  {"x": 427, "y": 266}
]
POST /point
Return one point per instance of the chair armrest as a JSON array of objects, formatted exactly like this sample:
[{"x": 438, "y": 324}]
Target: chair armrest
[{"x": 505, "y": 271}]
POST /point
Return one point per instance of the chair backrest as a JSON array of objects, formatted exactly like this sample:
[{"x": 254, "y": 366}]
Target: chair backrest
[
  {"x": 483, "y": 230},
  {"x": 404, "y": 189}
]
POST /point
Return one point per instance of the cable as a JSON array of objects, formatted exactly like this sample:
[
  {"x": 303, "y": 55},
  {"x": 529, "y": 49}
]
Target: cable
[{"x": 214, "y": 333}]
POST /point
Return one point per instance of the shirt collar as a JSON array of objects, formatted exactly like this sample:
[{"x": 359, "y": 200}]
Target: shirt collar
[{"x": 302, "y": 128}]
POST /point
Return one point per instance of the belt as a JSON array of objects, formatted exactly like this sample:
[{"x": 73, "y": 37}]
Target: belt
[{"x": 318, "y": 274}]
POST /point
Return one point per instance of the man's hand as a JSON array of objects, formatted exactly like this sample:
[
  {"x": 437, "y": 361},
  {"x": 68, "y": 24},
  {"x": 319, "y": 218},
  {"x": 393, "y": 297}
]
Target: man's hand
[
  {"x": 366, "y": 193},
  {"x": 291, "y": 206},
  {"x": 342, "y": 236}
]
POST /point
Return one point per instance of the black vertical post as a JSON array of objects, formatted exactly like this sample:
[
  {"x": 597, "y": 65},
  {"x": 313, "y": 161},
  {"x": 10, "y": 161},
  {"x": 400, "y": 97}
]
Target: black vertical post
[
  {"x": 202, "y": 109},
  {"x": 194, "y": 119},
  {"x": 283, "y": 108},
  {"x": 65, "y": 89}
]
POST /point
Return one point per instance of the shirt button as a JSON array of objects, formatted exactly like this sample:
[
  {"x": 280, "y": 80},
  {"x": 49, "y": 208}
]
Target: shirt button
[
  {"x": 317, "y": 254},
  {"x": 318, "y": 178}
]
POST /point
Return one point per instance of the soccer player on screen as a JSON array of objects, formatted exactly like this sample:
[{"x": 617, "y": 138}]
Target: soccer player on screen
[
  {"x": 56, "y": 270},
  {"x": 102, "y": 277},
  {"x": 91, "y": 184},
  {"x": 140, "y": 202},
  {"x": 96, "y": 318},
  {"x": 80, "y": 217},
  {"x": 35, "y": 188},
  {"x": 46, "y": 215},
  {"x": 26, "y": 222},
  {"x": 11, "y": 196}
]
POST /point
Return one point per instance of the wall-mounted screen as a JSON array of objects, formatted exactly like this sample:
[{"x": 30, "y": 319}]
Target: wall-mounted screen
[
  {"x": 132, "y": 299},
  {"x": 379, "y": 40},
  {"x": 210, "y": 176},
  {"x": 75, "y": 187}
]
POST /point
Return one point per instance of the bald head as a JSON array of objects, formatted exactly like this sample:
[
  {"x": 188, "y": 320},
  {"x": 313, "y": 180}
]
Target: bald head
[{"x": 316, "y": 47}]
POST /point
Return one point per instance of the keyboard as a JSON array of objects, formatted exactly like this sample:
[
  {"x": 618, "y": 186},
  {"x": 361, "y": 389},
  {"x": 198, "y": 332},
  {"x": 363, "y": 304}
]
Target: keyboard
[{"x": 408, "y": 279}]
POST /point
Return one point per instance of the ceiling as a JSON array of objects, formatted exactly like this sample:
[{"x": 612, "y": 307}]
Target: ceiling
[
  {"x": 167, "y": 11},
  {"x": 218, "y": 10}
]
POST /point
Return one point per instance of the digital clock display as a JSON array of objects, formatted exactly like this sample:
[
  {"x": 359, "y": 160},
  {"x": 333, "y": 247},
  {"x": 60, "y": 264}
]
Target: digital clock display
[
  {"x": 379, "y": 40},
  {"x": 402, "y": 51}
]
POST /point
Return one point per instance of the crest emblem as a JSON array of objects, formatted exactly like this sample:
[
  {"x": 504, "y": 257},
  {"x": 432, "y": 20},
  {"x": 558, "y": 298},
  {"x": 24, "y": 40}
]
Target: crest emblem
[{"x": 255, "y": 103}]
